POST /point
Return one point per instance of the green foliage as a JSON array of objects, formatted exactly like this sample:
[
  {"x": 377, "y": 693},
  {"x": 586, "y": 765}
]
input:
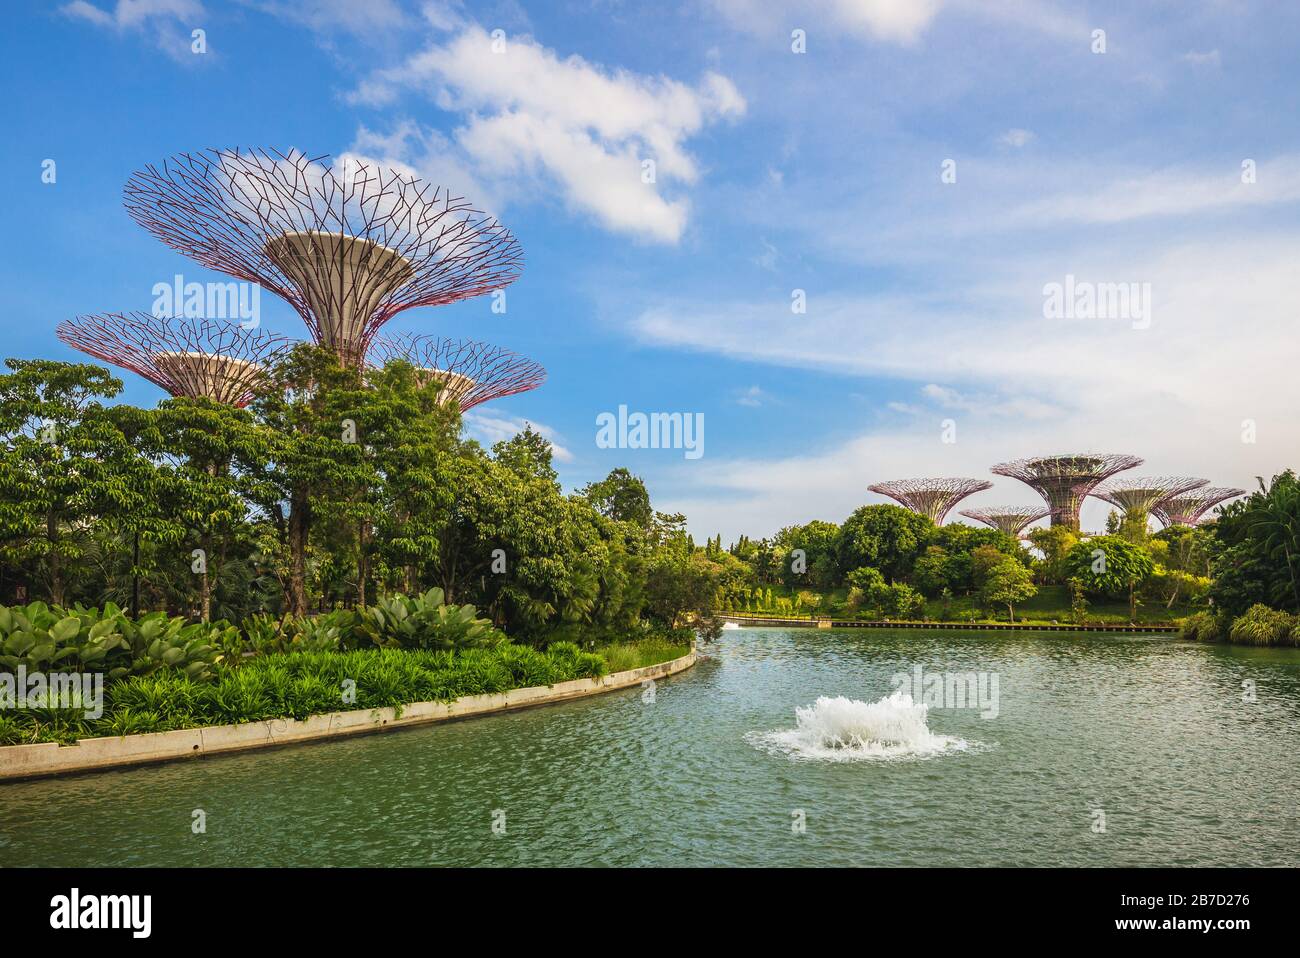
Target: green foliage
[
  {"x": 1256, "y": 549},
  {"x": 1055, "y": 542},
  {"x": 622, "y": 497},
  {"x": 1203, "y": 626},
  {"x": 1109, "y": 565},
  {"x": 1007, "y": 582},
  {"x": 1260, "y": 625},
  {"x": 43, "y": 638},
  {"x": 884, "y": 537},
  {"x": 814, "y": 562},
  {"x": 425, "y": 622},
  {"x": 300, "y": 684}
]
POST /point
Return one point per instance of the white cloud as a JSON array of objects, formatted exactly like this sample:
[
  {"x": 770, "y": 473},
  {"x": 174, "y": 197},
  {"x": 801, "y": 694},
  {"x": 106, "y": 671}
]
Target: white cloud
[
  {"x": 490, "y": 427},
  {"x": 533, "y": 120},
  {"x": 901, "y": 22},
  {"x": 1016, "y": 137},
  {"x": 896, "y": 21},
  {"x": 169, "y": 22},
  {"x": 1203, "y": 58},
  {"x": 1167, "y": 192},
  {"x": 753, "y": 397}
]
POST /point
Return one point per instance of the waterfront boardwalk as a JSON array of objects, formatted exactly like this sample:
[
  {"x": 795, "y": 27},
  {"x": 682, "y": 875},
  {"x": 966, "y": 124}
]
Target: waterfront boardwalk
[{"x": 824, "y": 623}]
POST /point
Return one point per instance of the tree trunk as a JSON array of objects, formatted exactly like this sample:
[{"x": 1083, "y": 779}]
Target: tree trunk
[
  {"x": 1011, "y": 614},
  {"x": 362, "y": 565},
  {"x": 56, "y": 569},
  {"x": 205, "y": 581},
  {"x": 299, "y": 523}
]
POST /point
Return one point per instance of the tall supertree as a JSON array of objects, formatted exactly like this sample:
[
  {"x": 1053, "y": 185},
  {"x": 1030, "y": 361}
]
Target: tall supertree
[
  {"x": 348, "y": 247},
  {"x": 186, "y": 357},
  {"x": 1012, "y": 520},
  {"x": 1190, "y": 509},
  {"x": 1137, "y": 496},
  {"x": 1064, "y": 481},
  {"x": 470, "y": 373},
  {"x": 930, "y": 497}
]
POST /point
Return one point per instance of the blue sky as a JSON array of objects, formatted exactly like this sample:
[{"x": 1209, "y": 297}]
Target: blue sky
[{"x": 776, "y": 171}]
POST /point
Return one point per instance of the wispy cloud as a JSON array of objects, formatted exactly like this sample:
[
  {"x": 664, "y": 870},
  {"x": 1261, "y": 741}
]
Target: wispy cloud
[
  {"x": 492, "y": 427},
  {"x": 168, "y": 22},
  {"x": 611, "y": 143}
]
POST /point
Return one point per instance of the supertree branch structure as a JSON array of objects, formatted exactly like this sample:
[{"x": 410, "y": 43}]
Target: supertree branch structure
[
  {"x": 1137, "y": 496},
  {"x": 186, "y": 357},
  {"x": 469, "y": 372},
  {"x": 348, "y": 246},
  {"x": 1191, "y": 508},
  {"x": 1009, "y": 519},
  {"x": 1064, "y": 481},
  {"x": 930, "y": 497}
]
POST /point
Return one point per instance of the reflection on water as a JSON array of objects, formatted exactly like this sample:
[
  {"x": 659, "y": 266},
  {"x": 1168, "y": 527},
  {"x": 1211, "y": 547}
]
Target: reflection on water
[{"x": 1152, "y": 731}]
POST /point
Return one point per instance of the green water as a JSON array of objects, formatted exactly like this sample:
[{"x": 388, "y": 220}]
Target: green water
[{"x": 1151, "y": 732}]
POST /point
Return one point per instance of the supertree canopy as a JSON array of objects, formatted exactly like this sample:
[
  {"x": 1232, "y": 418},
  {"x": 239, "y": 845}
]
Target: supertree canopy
[
  {"x": 1009, "y": 519},
  {"x": 1190, "y": 508},
  {"x": 1064, "y": 481},
  {"x": 930, "y": 497},
  {"x": 348, "y": 246},
  {"x": 469, "y": 372},
  {"x": 1138, "y": 496},
  {"x": 186, "y": 357}
]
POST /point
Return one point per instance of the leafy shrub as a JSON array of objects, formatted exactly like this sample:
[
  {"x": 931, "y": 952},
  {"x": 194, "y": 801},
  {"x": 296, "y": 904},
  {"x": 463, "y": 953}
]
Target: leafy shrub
[
  {"x": 1261, "y": 625},
  {"x": 1204, "y": 626},
  {"x": 43, "y": 638},
  {"x": 425, "y": 622}
]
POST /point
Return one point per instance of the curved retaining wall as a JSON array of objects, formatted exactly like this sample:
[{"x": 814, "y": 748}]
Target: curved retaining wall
[{"x": 50, "y": 758}]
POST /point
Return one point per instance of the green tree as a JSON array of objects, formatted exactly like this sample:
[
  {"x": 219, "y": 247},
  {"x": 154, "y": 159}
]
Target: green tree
[
  {"x": 1055, "y": 543},
  {"x": 1255, "y": 549},
  {"x": 66, "y": 468},
  {"x": 622, "y": 497},
  {"x": 1110, "y": 565},
  {"x": 1007, "y": 582},
  {"x": 317, "y": 464},
  {"x": 887, "y": 538},
  {"x": 808, "y": 554}
]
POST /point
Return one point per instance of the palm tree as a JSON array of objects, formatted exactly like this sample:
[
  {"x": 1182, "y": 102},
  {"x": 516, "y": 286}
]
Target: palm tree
[{"x": 1278, "y": 520}]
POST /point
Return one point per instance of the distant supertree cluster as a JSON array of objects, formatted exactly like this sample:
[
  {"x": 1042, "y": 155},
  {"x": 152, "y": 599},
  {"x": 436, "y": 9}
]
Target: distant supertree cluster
[
  {"x": 1191, "y": 508},
  {"x": 186, "y": 357},
  {"x": 1137, "y": 497},
  {"x": 348, "y": 246},
  {"x": 930, "y": 497},
  {"x": 1013, "y": 520},
  {"x": 1064, "y": 481},
  {"x": 469, "y": 372}
]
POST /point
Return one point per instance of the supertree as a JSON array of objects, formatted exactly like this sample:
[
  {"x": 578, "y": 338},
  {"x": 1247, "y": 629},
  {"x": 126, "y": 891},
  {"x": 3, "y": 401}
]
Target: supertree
[
  {"x": 1064, "y": 481},
  {"x": 348, "y": 247},
  {"x": 930, "y": 497},
  {"x": 1138, "y": 496},
  {"x": 1190, "y": 509},
  {"x": 1009, "y": 519},
  {"x": 469, "y": 372},
  {"x": 186, "y": 357}
]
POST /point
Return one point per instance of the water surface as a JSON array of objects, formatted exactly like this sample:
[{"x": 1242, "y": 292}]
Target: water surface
[{"x": 1150, "y": 732}]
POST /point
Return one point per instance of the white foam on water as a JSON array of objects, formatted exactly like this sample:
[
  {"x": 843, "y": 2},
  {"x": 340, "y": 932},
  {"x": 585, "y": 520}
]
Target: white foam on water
[
  {"x": 841, "y": 729},
  {"x": 729, "y": 625}
]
